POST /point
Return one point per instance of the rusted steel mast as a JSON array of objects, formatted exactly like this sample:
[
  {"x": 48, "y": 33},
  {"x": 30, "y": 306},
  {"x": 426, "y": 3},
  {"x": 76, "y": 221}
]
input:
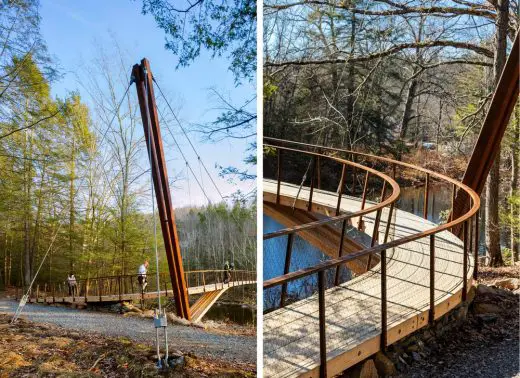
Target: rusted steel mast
[
  {"x": 492, "y": 132},
  {"x": 143, "y": 79}
]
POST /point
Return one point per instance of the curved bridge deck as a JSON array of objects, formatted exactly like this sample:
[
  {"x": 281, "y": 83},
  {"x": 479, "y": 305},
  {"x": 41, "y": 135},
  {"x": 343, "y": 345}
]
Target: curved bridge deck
[{"x": 353, "y": 309}]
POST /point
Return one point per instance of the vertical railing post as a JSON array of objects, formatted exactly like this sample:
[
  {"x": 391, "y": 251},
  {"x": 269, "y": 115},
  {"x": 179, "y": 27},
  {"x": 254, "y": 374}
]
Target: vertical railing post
[
  {"x": 53, "y": 293},
  {"x": 278, "y": 174},
  {"x": 287, "y": 267},
  {"x": 476, "y": 245},
  {"x": 204, "y": 281},
  {"x": 37, "y": 293},
  {"x": 383, "y": 301},
  {"x": 340, "y": 250},
  {"x": 100, "y": 288},
  {"x": 426, "y": 195},
  {"x": 432, "y": 279},
  {"x": 313, "y": 173},
  {"x": 465, "y": 262},
  {"x": 340, "y": 188},
  {"x": 453, "y": 194},
  {"x": 363, "y": 199},
  {"x": 318, "y": 171},
  {"x": 323, "y": 337},
  {"x": 375, "y": 236},
  {"x": 119, "y": 286}
]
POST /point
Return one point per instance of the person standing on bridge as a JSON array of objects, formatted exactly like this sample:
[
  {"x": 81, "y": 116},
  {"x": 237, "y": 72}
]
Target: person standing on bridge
[
  {"x": 227, "y": 272},
  {"x": 141, "y": 274},
  {"x": 73, "y": 286}
]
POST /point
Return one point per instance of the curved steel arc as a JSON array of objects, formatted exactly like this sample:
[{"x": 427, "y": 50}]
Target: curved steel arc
[
  {"x": 382, "y": 247},
  {"x": 391, "y": 199}
]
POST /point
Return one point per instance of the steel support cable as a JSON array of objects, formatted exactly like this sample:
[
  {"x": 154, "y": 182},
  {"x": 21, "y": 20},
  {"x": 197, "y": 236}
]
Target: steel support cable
[
  {"x": 201, "y": 163},
  {"x": 158, "y": 321},
  {"x": 188, "y": 138},
  {"x": 182, "y": 154}
]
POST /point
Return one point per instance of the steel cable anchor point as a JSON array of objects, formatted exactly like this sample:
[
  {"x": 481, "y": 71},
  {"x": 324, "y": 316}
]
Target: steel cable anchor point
[{"x": 161, "y": 321}]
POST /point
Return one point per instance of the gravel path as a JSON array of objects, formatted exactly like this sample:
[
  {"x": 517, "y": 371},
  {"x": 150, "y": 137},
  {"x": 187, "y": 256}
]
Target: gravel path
[
  {"x": 186, "y": 339},
  {"x": 485, "y": 360}
]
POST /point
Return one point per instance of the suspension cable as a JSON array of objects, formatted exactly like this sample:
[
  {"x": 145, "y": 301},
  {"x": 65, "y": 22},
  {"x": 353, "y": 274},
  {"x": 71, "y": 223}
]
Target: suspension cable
[
  {"x": 188, "y": 138},
  {"x": 182, "y": 153}
]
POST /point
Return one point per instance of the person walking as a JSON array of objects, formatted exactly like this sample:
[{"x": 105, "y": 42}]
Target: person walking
[
  {"x": 73, "y": 285},
  {"x": 141, "y": 275}
]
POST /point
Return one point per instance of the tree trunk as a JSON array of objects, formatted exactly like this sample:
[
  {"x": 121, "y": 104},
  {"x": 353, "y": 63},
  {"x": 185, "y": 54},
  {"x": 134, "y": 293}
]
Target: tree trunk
[
  {"x": 515, "y": 181},
  {"x": 493, "y": 185}
]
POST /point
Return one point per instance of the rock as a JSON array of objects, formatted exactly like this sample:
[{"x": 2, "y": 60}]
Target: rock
[
  {"x": 487, "y": 318},
  {"x": 483, "y": 290},
  {"x": 366, "y": 369},
  {"x": 486, "y": 308},
  {"x": 384, "y": 365},
  {"x": 416, "y": 357},
  {"x": 507, "y": 283}
]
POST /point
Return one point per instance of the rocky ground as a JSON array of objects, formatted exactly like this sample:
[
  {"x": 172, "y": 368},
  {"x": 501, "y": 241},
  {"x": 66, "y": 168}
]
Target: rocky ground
[
  {"x": 479, "y": 339},
  {"x": 30, "y": 349}
]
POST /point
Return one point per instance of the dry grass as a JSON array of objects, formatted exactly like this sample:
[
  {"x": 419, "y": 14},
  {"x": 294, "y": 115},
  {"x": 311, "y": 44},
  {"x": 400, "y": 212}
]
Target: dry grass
[{"x": 33, "y": 349}]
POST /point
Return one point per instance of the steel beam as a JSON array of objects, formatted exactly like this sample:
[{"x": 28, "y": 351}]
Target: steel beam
[{"x": 144, "y": 84}]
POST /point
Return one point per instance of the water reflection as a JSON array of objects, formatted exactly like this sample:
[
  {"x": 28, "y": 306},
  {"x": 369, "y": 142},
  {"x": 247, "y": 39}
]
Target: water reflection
[{"x": 303, "y": 255}]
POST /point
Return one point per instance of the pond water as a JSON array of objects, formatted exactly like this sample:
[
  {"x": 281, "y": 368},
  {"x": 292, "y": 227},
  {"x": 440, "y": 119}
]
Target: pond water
[
  {"x": 305, "y": 255},
  {"x": 439, "y": 201},
  {"x": 235, "y": 312}
]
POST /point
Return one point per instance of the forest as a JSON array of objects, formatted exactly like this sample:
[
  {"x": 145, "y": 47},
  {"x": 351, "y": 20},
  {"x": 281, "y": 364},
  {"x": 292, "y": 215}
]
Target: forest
[
  {"x": 410, "y": 80},
  {"x": 75, "y": 179}
]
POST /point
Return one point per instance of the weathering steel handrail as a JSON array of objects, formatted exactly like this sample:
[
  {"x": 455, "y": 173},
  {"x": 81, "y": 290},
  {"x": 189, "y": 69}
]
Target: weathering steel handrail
[
  {"x": 320, "y": 268},
  {"x": 307, "y": 226}
]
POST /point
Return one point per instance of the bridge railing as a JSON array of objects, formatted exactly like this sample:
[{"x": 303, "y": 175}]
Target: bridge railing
[
  {"x": 116, "y": 287},
  {"x": 466, "y": 227}
]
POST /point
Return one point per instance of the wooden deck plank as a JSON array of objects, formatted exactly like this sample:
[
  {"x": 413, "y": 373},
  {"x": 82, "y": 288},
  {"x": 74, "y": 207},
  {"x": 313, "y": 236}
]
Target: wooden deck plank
[{"x": 353, "y": 310}]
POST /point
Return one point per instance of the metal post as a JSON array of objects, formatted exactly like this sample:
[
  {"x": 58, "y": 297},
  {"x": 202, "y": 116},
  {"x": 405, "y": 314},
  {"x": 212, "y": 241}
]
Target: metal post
[
  {"x": 323, "y": 336},
  {"x": 476, "y": 246},
  {"x": 426, "y": 194},
  {"x": 287, "y": 267},
  {"x": 318, "y": 171},
  {"x": 383, "y": 301},
  {"x": 313, "y": 171},
  {"x": 150, "y": 118},
  {"x": 432, "y": 279},
  {"x": 340, "y": 250},
  {"x": 363, "y": 199},
  {"x": 341, "y": 187},
  {"x": 465, "y": 262},
  {"x": 375, "y": 236},
  {"x": 278, "y": 174}
]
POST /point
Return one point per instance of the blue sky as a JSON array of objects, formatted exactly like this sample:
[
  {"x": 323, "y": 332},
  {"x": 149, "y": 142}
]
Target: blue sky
[{"x": 71, "y": 29}]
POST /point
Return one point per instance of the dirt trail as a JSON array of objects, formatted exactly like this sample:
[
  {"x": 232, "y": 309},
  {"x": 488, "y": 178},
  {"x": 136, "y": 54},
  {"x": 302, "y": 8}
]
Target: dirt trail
[{"x": 231, "y": 348}]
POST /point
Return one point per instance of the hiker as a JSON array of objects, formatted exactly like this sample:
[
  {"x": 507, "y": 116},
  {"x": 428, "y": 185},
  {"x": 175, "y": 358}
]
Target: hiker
[
  {"x": 141, "y": 275},
  {"x": 227, "y": 272},
  {"x": 73, "y": 286}
]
